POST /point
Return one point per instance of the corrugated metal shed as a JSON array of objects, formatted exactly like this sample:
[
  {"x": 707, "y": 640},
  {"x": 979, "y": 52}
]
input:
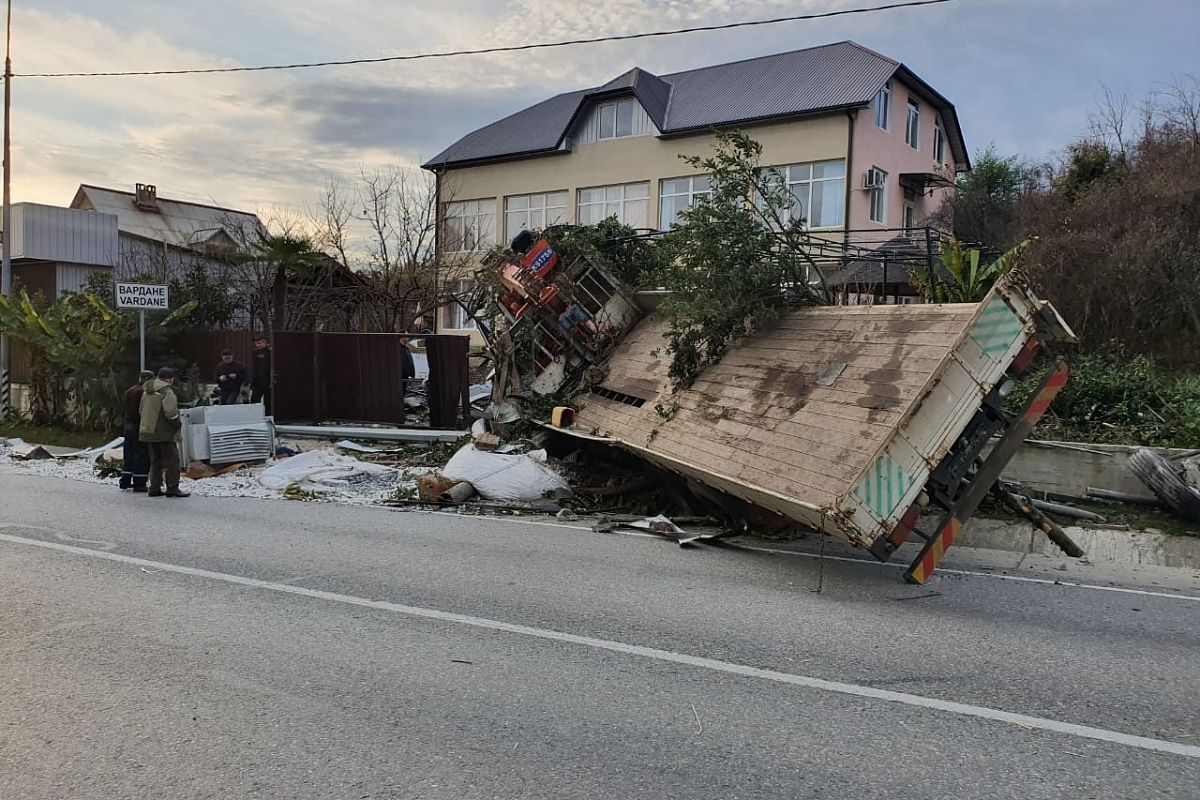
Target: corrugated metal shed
[
  {"x": 830, "y": 77},
  {"x": 50, "y": 233},
  {"x": 175, "y": 222}
]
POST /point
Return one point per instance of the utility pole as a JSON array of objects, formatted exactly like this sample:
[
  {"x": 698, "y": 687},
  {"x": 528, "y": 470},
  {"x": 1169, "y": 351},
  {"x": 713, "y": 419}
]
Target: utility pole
[{"x": 6, "y": 219}]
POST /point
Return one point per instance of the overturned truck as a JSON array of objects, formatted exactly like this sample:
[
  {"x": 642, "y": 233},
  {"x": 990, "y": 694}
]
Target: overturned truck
[{"x": 847, "y": 419}]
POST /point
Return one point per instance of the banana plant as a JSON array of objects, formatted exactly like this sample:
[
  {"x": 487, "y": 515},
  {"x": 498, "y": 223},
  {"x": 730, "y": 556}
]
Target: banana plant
[
  {"x": 75, "y": 344},
  {"x": 969, "y": 282}
]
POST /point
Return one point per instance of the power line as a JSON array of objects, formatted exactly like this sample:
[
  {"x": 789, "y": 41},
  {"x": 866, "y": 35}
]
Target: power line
[{"x": 486, "y": 50}]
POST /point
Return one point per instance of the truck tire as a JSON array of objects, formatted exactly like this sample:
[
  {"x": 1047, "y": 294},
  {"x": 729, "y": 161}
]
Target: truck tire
[{"x": 1164, "y": 480}]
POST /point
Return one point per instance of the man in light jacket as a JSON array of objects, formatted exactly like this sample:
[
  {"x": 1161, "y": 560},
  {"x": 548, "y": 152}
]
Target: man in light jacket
[{"x": 160, "y": 430}]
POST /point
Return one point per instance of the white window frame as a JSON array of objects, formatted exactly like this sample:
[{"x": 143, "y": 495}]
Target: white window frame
[
  {"x": 912, "y": 125},
  {"x": 883, "y": 107},
  {"x": 908, "y": 219},
  {"x": 939, "y": 144},
  {"x": 879, "y": 198},
  {"x": 549, "y": 207},
  {"x": 616, "y": 203},
  {"x": 790, "y": 171},
  {"x": 477, "y": 227},
  {"x": 614, "y": 108},
  {"x": 692, "y": 196},
  {"x": 458, "y": 319}
]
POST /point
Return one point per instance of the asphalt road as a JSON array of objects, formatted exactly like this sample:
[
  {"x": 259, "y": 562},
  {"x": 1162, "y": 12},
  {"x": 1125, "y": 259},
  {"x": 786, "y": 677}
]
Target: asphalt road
[{"x": 211, "y": 648}]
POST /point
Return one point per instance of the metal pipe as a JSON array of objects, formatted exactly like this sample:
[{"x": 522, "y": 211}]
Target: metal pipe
[
  {"x": 459, "y": 492},
  {"x": 374, "y": 434}
]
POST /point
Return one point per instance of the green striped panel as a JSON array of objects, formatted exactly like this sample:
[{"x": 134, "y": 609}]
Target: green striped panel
[
  {"x": 997, "y": 328},
  {"x": 884, "y": 486}
]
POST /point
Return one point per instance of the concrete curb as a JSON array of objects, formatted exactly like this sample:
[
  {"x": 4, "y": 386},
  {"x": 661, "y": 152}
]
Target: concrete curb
[{"x": 1102, "y": 546}]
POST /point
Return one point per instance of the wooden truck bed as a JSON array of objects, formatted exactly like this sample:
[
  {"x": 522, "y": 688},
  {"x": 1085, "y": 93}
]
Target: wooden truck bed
[{"x": 832, "y": 416}]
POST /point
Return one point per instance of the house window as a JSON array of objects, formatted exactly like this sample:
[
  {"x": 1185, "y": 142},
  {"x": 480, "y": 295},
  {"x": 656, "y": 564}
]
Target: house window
[
  {"x": 910, "y": 218},
  {"x": 616, "y": 119},
  {"x": 679, "y": 195},
  {"x": 453, "y": 315},
  {"x": 939, "y": 144},
  {"x": 913, "y": 128},
  {"x": 818, "y": 192},
  {"x": 533, "y": 212},
  {"x": 883, "y": 106},
  {"x": 877, "y": 186},
  {"x": 469, "y": 225},
  {"x": 629, "y": 203}
]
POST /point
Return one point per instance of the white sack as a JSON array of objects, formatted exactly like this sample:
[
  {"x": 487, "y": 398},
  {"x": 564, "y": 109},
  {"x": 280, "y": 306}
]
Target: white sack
[
  {"x": 501, "y": 477},
  {"x": 320, "y": 471}
]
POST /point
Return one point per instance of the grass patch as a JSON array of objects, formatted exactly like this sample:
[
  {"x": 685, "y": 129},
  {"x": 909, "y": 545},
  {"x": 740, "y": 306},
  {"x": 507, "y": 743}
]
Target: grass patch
[{"x": 54, "y": 436}]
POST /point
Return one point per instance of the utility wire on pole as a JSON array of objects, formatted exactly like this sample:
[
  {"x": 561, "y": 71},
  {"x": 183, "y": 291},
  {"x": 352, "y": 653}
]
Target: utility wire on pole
[
  {"x": 516, "y": 48},
  {"x": 6, "y": 220}
]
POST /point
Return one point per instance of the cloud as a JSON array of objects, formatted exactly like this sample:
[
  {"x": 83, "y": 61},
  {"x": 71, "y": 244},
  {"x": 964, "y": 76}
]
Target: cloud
[
  {"x": 1023, "y": 76},
  {"x": 414, "y": 123}
]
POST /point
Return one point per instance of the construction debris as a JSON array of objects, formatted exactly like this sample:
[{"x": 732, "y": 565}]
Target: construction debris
[
  {"x": 321, "y": 471},
  {"x": 506, "y": 477},
  {"x": 30, "y": 452},
  {"x": 1167, "y": 479}
]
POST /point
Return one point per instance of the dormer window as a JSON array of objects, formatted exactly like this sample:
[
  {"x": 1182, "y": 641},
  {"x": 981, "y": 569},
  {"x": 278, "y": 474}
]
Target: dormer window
[{"x": 616, "y": 119}]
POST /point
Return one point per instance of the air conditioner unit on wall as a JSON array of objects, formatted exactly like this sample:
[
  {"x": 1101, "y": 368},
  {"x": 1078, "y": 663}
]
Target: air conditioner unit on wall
[{"x": 873, "y": 178}]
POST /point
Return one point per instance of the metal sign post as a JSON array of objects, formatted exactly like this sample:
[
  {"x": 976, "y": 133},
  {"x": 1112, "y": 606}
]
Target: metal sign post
[{"x": 143, "y": 297}]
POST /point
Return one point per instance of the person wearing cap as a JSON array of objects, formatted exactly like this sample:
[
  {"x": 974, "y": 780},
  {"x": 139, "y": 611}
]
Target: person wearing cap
[
  {"x": 229, "y": 378},
  {"x": 136, "y": 463},
  {"x": 159, "y": 428}
]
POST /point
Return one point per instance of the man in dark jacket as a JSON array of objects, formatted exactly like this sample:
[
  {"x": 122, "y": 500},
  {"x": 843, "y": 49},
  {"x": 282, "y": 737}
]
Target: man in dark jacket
[
  {"x": 159, "y": 428},
  {"x": 260, "y": 373},
  {"x": 229, "y": 378},
  {"x": 136, "y": 466}
]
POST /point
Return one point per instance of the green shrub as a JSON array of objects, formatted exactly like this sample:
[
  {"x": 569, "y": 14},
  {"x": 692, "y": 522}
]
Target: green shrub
[{"x": 1131, "y": 402}]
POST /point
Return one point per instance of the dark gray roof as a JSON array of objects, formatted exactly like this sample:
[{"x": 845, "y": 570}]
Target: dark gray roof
[{"x": 826, "y": 78}]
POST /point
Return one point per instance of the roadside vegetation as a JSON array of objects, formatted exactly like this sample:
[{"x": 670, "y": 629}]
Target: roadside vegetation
[
  {"x": 1136, "y": 401},
  {"x": 1113, "y": 240}
]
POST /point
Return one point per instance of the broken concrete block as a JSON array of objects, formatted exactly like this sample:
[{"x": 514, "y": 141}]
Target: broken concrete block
[{"x": 486, "y": 441}]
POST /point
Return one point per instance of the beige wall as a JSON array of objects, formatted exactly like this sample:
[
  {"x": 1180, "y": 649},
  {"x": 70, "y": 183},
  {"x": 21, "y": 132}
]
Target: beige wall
[{"x": 637, "y": 159}]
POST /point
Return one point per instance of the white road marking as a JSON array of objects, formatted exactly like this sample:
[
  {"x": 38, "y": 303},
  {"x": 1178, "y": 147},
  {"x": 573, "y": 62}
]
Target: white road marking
[
  {"x": 852, "y": 560},
  {"x": 727, "y": 667}
]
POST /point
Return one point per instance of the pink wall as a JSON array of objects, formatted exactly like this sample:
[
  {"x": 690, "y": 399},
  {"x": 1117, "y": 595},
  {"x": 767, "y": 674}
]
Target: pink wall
[{"x": 888, "y": 151}]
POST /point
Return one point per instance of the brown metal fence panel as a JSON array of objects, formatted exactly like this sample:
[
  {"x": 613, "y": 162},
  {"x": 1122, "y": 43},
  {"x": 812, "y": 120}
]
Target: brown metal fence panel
[
  {"x": 20, "y": 364},
  {"x": 296, "y": 395},
  {"x": 350, "y": 377},
  {"x": 202, "y": 349},
  {"x": 449, "y": 380},
  {"x": 360, "y": 373}
]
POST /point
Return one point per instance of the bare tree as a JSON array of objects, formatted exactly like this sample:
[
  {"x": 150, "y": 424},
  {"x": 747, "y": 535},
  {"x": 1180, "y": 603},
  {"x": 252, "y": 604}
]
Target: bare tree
[
  {"x": 1110, "y": 119},
  {"x": 395, "y": 212}
]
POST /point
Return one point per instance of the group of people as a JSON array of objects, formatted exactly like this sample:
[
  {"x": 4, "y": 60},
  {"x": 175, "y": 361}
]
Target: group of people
[
  {"x": 230, "y": 376},
  {"x": 152, "y": 424},
  {"x": 151, "y": 436}
]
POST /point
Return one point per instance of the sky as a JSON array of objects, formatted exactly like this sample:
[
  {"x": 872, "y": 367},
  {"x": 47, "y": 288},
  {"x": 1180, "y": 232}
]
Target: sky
[{"x": 1024, "y": 75}]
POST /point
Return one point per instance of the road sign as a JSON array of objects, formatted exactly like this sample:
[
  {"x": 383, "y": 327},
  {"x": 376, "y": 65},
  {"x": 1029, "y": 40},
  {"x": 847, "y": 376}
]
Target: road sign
[{"x": 143, "y": 296}]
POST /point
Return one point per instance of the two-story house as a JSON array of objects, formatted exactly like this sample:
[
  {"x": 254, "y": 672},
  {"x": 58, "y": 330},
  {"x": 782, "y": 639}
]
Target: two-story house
[{"x": 862, "y": 142}]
